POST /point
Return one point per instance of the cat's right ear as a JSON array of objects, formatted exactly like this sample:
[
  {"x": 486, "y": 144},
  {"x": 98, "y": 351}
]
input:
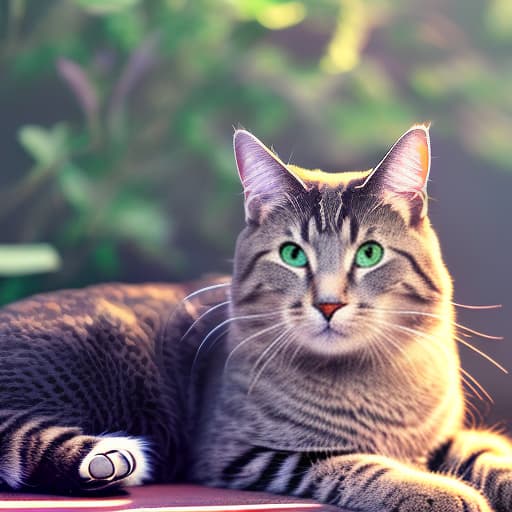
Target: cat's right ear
[{"x": 266, "y": 180}]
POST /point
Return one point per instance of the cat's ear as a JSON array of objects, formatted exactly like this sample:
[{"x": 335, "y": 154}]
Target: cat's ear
[
  {"x": 403, "y": 172},
  {"x": 266, "y": 179}
]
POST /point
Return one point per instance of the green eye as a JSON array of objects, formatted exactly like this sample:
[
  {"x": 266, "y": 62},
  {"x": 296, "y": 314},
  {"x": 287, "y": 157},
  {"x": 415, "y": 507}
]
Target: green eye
[
  {"x": 369, "y": 254},
  {"x": 293, "y": 255}
]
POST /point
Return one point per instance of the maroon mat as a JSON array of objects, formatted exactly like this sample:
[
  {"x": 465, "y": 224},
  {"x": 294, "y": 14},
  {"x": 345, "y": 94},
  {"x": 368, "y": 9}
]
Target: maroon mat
[{"x": 164, "y": 498}]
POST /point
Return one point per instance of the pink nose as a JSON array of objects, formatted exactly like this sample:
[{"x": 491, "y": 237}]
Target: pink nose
[{"x": 329, "y": 308}]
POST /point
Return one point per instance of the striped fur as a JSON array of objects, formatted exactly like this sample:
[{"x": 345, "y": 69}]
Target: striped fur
[
  {"x": 244, "y": 383},
  {"x": 93, "y": 387}
]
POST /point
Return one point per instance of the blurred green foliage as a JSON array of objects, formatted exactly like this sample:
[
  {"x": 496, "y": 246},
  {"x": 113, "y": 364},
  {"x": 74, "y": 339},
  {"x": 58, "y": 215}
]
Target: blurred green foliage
[{"x": 124, "y": 110}]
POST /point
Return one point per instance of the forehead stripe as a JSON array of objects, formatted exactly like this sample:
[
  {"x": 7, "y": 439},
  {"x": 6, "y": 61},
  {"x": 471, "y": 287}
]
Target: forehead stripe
[
  {"x": 304, "y": 230},
  {"x": 354, "y": 229}
]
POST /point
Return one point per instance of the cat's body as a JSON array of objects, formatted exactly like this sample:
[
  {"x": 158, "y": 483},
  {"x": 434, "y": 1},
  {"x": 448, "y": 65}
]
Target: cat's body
[
  {"x": 327, "y": 368},
  {"x": 105, "y": 359}
]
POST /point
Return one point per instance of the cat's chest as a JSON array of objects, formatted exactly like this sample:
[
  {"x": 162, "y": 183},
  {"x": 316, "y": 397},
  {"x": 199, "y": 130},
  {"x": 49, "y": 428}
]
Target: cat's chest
[{"x": 400, "y": 422}]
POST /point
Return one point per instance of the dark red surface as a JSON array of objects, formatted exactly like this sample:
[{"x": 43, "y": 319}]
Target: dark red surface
[{"x": 164, "y": 498}]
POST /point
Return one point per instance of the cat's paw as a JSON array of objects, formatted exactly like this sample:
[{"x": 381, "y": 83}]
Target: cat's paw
[
  {"x": 115, "y": 460},
  {"x": 439, "y": 494},
  {"x": 443, "y": 502},
  {"x": 498, "y": 488}
]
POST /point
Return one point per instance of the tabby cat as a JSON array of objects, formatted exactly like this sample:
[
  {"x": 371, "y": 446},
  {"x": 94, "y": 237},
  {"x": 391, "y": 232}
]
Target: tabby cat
[{"x": 326, "y": 368}]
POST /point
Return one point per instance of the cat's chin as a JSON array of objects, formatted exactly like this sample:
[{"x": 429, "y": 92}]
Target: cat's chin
[
  {"x": 331, "y": 341},
  {"x": 331, "y": 333}
]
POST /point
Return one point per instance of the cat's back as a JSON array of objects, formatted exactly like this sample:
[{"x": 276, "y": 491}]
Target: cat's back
[
  {"x": 75, "y": 309},
  {"x": 105, "y": 314},
  {"x": 111, "y": 321},
  {"x": 78, "y": 346}
]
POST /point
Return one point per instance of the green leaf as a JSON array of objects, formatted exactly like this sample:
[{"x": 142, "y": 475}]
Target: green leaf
[
  {"x": 107, "y": 258},
  {"x": 45, "y": 146},
  {"x": 18, "y": 260},
  {"x": 75, "y": 186},
  {"x": 140, "y": 221},
  {"x": 126, "y": 28}
]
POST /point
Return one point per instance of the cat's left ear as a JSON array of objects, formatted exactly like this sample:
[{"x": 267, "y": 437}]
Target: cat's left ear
[
  {"x": 403, "y": 172},
  {"x": 267, "y": 181}
]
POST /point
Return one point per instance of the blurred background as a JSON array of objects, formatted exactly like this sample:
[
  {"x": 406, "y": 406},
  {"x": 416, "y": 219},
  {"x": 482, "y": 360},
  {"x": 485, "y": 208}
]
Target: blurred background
[{"x": 116, "y": 119}]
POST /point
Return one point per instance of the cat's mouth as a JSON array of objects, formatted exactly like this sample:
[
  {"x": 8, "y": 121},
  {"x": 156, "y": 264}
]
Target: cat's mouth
[
  {"x": 331, "y": 332},
  {"x": 329, "y": 340}
]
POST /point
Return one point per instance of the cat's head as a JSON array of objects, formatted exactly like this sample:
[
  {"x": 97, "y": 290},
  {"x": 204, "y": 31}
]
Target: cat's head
[{"x": 337, "y": 263}]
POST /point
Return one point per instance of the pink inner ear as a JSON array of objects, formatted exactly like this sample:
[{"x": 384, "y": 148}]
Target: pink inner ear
[
  {"x": 407, "y": 164},
  {"x": 254, "y": 164},
  {"x": 265, "y": 179}
]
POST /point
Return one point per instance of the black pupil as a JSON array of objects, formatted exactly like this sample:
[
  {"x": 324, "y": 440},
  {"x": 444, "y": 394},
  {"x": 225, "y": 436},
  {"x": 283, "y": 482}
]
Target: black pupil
[
  {"x": 369, "y": 252},
  {"x": 295, "y": 253}
]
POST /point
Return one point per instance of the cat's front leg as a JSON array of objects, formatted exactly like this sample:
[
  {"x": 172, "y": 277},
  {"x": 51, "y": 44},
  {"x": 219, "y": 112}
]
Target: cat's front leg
[
  {"x": 363, "y": 482},
  {"x": 370, "y": 482},
  {"x": 484, "y": 460},
  {"x": 37, "y": 453}
]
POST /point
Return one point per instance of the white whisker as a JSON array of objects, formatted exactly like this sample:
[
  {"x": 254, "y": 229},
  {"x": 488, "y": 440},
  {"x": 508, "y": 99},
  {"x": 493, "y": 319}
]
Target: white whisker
[
  {"x": 205, "y": 289},
  {"x": 269, "y": 347},
  {"x": 396, "y": 345},
  {"x": 222, "y": 324},
  {"x": 458, "y": 338},
  {"x": 252, "y": 336},
  {"x": 469, "y": 306},
  {"x": 416, "y": 332},
  {"x": 382, "y": 332},
  {"x": 180, "y": 304},
  {"x": 265, "y": 364},
  {"x": 200, "y": 317},
  {"x": 441, "y": 317},
  {"x": 477, "y": 384},
  {"x": 482, "y": 354}
]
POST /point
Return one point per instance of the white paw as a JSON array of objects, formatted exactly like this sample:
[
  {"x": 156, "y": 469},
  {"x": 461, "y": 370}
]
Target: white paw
[{"x": 119, "y": 459}]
